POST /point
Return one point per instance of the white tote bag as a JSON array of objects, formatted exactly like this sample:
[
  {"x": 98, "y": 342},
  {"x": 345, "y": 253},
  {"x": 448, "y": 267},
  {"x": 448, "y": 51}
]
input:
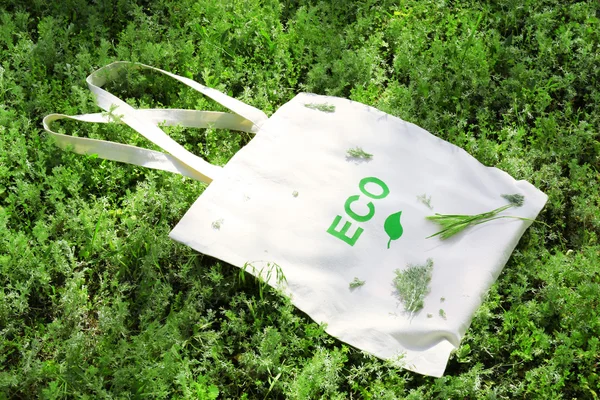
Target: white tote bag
[{"x": 335, "y": 195}]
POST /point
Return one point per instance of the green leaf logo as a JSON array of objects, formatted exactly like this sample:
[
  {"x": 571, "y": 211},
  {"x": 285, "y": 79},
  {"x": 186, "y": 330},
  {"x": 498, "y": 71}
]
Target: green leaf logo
[{"x": 393, "y": 227}]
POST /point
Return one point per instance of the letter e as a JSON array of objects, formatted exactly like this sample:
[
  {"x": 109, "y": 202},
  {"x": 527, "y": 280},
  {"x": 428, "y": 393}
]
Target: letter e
[{"x": 341, "y": 234}]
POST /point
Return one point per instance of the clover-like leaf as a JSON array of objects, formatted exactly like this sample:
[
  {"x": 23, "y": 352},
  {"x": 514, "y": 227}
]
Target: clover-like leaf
[{"x": 393, "y": 227}]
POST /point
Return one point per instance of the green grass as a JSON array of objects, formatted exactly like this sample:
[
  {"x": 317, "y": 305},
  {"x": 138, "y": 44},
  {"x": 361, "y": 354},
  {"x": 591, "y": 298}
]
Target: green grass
[{"x": 97, "y": 302}]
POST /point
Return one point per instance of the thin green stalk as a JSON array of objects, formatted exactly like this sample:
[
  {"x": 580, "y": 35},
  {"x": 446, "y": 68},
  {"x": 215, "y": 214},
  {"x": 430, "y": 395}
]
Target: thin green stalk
[
  {"x": 515, "y": 217},
  {"x": 453, "y": 224}
]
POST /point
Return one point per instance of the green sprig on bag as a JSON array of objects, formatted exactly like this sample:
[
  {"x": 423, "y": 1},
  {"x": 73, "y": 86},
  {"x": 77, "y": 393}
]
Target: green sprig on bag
[
  {"x": 412, "y": 285},
  {"x": 454, "y": 224}
]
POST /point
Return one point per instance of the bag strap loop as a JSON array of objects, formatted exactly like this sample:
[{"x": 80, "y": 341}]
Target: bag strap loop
[{"x": 178, "y": 159}]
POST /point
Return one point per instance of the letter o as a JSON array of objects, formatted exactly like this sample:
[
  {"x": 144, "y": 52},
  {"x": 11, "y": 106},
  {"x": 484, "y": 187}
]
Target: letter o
[{"x": 384, "y": 189}]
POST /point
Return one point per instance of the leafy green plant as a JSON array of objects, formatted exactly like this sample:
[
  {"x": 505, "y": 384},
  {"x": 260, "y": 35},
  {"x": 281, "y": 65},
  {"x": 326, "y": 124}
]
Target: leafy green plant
[
  {"x": 263, "y": 273},
  {"x": 205, "y": 391},
  {"x": 358, "y": 152},
  {"x": 426, "y": 200},
  {"x": 412, "y": 285},
  {"x": 97, "y": 302},
  {"x": 217, "y": 223},
  {"x": 324, "y": 107},
  {"x": 356, "y": 283},
  {"x": 112, "y": 116}
]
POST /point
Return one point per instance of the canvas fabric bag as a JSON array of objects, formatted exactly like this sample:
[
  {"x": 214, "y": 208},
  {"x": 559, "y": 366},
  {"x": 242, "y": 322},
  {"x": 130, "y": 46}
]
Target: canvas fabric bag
[{"x": 295, "y": 200}]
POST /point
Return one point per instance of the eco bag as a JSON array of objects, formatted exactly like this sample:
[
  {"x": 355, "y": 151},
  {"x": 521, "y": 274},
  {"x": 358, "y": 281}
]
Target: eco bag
[{"x": 333, "y": 195}]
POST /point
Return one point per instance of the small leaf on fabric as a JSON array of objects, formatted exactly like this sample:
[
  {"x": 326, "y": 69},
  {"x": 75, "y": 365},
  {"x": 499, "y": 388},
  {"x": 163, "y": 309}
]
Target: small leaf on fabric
[
  {"x": 412, "y": 285},
  {"x": 358, "y": 152},
  {"x": 326, "y": 107},
  {"x": 393, "y": 227},
  {"x": 516, "y": 199},
  {"x": 356, "y": 283}
]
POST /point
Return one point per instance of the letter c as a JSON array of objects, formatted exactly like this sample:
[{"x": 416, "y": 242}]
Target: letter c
[{"x": 355, "y": 216}]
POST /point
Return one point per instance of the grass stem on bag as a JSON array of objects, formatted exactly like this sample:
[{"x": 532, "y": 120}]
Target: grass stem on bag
[{"x": 454, "y": 224}]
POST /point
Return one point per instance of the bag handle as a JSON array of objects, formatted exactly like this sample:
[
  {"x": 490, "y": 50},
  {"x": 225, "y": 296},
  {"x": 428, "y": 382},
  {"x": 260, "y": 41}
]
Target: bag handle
[
  {"x": 178, "y": 159},
  {"x": 105, "y": 100},
  {"x": 144, "y": 157}
]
